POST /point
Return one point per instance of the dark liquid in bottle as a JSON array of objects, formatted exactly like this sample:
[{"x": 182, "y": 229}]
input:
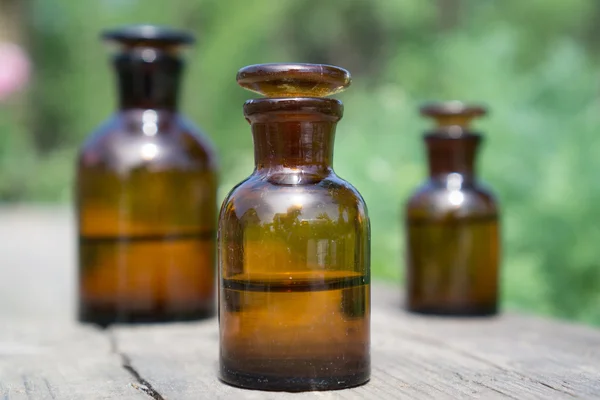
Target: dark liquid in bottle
[
  {"x": 453, "y": 266},
  {"x": 146, "y": 246},
  {"x": 296, "y": 331},
  {"x": 146, "y": 278}
]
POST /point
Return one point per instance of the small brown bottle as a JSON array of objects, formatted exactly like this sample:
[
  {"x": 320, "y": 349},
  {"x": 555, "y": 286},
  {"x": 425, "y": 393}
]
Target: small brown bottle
[
  {"x": 146, "y": 195},
  {"x": 294, "y": 244},
  {"x": 452, "y": 223}
]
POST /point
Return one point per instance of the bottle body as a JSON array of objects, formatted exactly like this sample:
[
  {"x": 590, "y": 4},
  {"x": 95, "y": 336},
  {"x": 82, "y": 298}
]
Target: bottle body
[
  {"x": 294, "y": 259},
  {"x": 453, "y": 241},
  {"x": 146, "y": 200},
  {"x": 453, "y": 250},
  {"x": 295, "y": 286}
]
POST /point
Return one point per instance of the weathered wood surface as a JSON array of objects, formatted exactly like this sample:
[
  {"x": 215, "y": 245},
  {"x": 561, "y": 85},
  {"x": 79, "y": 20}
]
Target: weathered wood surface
[
  {"x": 44, "y": 355},
  {"x": 61, "y": 361},
  {"x": 413, "y": 357},
  {"x": 37, "y": 258}
]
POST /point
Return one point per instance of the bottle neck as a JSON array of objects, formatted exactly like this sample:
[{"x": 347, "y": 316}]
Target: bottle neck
[
  {"x": 148, "y": 78},
  {"x": 304, "y": 147},
  {"x": 449, "y": 155}
]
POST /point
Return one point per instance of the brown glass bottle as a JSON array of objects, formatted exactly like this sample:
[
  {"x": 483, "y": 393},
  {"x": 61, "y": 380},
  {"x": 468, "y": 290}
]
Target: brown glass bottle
[
  {"x": 453, "y": 244},
  {"x": 294, "y": 245},
  {"x": 146, "y": 195}
]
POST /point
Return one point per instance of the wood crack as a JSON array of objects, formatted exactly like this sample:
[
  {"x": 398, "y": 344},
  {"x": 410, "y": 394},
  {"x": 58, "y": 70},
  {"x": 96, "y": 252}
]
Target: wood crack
[
  {"x": 49, "y": 387},
  {"x": 28, "y": 387},
  {"x": 556, "y": 389},
  {"x": 496, "y": 390},
  {"x": 142, "y": 385}
]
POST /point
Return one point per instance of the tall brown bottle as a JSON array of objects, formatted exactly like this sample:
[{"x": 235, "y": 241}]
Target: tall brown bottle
[
  {"x": 294, "y": 244},
  {"x": 146, "y": 194},
  {"x": 452, "y": 223}
]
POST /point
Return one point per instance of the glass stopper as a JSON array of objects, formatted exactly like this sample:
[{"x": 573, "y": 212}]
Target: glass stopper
[
  {"x": 148, "y": 35},
  {"x": 294, "y": 80},
  {"x": 453, "y": 113}
]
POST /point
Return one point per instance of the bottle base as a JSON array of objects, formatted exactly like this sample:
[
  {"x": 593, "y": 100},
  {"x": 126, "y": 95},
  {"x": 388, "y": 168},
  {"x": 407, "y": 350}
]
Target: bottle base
[
  {"x": 291, "y": 384},
  {"x": 104, "y": 316},
  {"x": 465, "y": 311}
]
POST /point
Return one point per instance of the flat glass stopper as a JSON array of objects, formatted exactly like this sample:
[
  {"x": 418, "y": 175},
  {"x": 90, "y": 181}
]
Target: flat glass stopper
[
  {"x": 453, "y": 113},
  {"x": 148, "y": 35},
  {"x": 294, "y": 80}
]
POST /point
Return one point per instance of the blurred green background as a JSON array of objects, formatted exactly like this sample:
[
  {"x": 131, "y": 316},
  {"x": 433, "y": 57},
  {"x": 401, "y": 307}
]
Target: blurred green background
[{"x": 534, "y": 63}]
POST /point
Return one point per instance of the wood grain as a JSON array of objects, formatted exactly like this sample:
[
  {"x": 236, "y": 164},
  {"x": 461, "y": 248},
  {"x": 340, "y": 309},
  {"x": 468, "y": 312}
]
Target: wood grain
[
  {"x": 415, "y": 357},
  {"x": 61, "y": 361},
  {"x": 45, "y": 355}
]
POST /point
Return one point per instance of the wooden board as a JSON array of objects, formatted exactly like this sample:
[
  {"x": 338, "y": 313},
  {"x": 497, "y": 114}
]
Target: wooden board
[
  {"x": 45, "y": 360},
  {"x": 413, "y": 357},
  {"x": 37, "y": 262}
]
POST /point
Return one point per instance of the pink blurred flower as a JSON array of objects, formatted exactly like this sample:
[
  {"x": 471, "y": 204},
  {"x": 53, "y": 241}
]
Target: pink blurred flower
[{"x": 14, "y": 69}]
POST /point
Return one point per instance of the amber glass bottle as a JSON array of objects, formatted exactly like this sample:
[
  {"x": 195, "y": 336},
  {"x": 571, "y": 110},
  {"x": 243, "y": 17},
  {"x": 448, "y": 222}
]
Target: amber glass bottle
[
  {"x": 294, "y": 244},
  {"x": 146, "y": 195},
  {"x": 452, "y": 223}
]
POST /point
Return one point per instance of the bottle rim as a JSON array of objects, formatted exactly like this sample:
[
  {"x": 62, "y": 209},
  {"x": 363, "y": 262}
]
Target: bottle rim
[{"x": 319, "y": 107}]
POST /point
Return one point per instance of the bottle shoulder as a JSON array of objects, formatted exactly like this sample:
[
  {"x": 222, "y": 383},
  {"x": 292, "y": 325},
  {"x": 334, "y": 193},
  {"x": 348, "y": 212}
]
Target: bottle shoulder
[
  {"x": 435, "y": 200},
  {"x": 125, "y": 141},
  {"x": 261, "y": 200}
]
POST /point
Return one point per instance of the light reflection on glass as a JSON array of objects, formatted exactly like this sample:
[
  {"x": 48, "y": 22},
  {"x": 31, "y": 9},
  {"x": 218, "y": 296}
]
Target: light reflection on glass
[
  {"x": 149, "y": 151},
  {"x": 149, "y": 122},
  {"x": 454, "y": 183},
  {"x": 298, "y": 200},
  {"x": 455, "y": 131},
  {"x": 456, "y": 198},
  {"x": 149, "y": 55}
]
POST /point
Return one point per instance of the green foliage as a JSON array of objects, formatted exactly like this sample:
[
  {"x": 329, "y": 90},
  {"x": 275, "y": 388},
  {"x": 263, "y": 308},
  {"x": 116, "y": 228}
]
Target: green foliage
[{"x": 530, "y": 61}]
